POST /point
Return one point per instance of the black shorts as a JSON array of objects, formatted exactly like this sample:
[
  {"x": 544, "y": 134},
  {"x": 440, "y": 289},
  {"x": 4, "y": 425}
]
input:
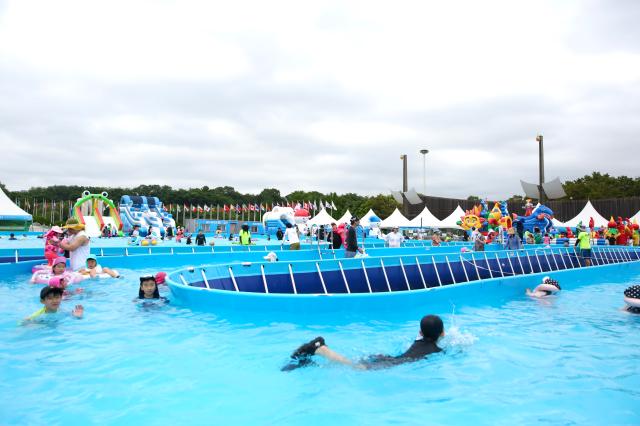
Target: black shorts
[{"x": 585, "y": 253}]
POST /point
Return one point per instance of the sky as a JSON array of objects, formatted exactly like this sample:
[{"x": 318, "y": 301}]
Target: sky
[{"x": 319, "y": 96}]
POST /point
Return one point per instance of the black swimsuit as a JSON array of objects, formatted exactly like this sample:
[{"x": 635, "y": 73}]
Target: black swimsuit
[{"x": 418, "y": 350}]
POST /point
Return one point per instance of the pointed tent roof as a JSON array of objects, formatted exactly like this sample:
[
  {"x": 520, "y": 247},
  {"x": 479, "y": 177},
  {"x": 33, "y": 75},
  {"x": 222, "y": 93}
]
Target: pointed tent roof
[
  {"x": 364, "y": 220},
  {"x": 635, "y": 217},
  {"x": 451, "y": 221},
  {"x": 559, "y": 224},
  {"x": 346, "y": 218},
  {"x": 10, "y": 211},
  {"x": 587, "y": 212},
  {"x": 322, "y": 218},
  {"x": 426, "y": 219},
  {"x": 396, "y": 219}
]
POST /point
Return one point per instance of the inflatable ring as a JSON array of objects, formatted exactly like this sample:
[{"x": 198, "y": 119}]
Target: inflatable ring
[
  {"x": 548, "y": 285},
  {"x": 632, "y": 296}
]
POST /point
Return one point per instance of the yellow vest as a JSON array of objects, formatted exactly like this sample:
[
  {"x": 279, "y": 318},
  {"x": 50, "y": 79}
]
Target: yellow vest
[{"x": 244, "y": 237}]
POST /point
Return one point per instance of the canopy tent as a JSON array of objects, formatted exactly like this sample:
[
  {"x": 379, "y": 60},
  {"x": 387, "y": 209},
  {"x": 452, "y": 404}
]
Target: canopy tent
[
  {"x": 346, "y": 218},
  {"x": 635, "y": 217},
  {"x": 426, "y": 219},
  {"x": 12, "y": 217},
  {"x": 396, "y": 220},
  {"x": 557, "y": 224},
  {"x": 366, "y": 219},
  {"x": 322, "y": 218},
  {"x": 585, "y": 215},
  {"x": 451, "y": 221}
]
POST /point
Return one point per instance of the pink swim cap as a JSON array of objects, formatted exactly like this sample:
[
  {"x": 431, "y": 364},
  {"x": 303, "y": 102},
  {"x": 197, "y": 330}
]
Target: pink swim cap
[
  {"x": 161, "y": 277},
  {"x": 56, "y": 282},
  {"x": 60, "y": 260}
]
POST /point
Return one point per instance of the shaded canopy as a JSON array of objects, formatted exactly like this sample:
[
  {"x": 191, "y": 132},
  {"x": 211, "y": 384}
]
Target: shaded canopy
[
  {"x": 396, "y": 219},
  {"x": 585, "y": 215},
  {"x": 322, "y": 218},
  {"x": 426, "y": 219},
  {"x": 451, "y": 220}
]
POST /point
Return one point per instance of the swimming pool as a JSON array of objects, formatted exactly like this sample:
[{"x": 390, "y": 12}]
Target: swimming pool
[{"x": 571, "y": 359}]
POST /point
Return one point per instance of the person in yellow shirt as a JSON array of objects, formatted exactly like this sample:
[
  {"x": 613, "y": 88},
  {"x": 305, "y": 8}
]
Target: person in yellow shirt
[{"x": 584, "y": 239}]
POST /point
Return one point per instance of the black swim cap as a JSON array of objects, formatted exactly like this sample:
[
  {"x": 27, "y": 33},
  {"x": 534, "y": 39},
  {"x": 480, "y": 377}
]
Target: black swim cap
[
  {"x": 633, "y": 292},
  {"x": 431, "y": 327}
]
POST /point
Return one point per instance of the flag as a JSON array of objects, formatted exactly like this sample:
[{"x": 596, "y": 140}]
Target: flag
[
  {"x": 328, "y": 205},
  {"x": 244, "y": 207},
  {"x": 252, "y": 207},
  {"x": 178, "y": 208},
  {"x": 237, "y": 207},
  {"x": 207, "y": 208},
  {"x": 333, "y": 206},
  {"x": 226, "y": 208},
  {"x": 321, "y": 205},
  {"x": 306, "y": 206},
  {"x": 297, "y": 207}
]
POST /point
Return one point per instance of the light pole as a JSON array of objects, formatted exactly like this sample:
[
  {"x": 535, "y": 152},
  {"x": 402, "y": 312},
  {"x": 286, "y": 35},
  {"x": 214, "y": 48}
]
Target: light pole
[
  {"x": 540, "y": 140},
  {"x": 424, "y": 153}
]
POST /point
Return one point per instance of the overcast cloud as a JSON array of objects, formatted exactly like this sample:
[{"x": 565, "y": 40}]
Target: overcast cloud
[{"x": 324, "y": 96}]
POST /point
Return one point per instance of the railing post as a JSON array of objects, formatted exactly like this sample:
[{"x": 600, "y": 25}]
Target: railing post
[
  {"x": 464, "y": 269},
  {"x": 264, "y": 279},
  {"x": 204, "y": 278},
  {"x": 513, "y": 271},
  {"x": 486, "y": 260},
  {"x": 384, "y": 272},
  {"x": 344, "y": 277},
  {"x": 233, "y": 279},
  {"x": 520, "y": 262},
  {"x": 571, "y": 260},
  {"x": 366, "y": 276},
  {"x": 499, "y": 265},
  {"x": 473, "y": 257},
  {"x": 529, "y": 260},
  {"x": 424, "y": 283},
  {"x": 453, "y": 277},
  {"x": 404, "y": 273},
  {"x": 324, "y": 287},
  {"x": 535, "y": 253},
  {"x": 293, "y": 281}
]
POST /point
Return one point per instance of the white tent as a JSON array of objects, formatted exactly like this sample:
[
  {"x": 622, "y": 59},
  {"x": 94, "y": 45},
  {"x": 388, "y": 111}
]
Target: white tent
[
  {"x": 557, "y": 224},
  {"x": 364, "y": 220},
  {"x": 585, "y": 215},
  {"x": 322, "y": 218},
  {"x": 451, "y": 220},
  {"x": 12, "y": 217},
  {"x": 635, "y": 217},
  {"x": 426, "y": 219},
  {"x": 346, "y": 218},
  {"x": 396, "y": 219}
]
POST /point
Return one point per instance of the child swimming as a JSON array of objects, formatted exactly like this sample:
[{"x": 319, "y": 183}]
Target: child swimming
[
  {"x": 58, "y": 268},
  {"x": 431, "y": 330},
  {"x": 93, "y": 269},
  {"x": 149, "y": 289},
  {"x": 546, "y": 288},
  {"x": 51, "y": 297}
]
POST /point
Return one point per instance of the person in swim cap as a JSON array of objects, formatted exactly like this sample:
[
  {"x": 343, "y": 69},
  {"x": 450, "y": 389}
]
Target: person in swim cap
[
  {"x": 431, "y": 330},
  {"x": 546, "y": 288},
  {"x": 632, "y": 299}
]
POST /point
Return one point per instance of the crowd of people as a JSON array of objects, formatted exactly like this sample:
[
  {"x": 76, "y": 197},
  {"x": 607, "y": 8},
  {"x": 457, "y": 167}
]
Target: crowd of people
[{"x": 69, "y": 262}]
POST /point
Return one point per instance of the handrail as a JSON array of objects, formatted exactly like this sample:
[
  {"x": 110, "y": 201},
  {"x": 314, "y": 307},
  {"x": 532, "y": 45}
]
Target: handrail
[
  {"x": 384, "y": 272},
  {"x": 435, "y": 267},
  {"x": 404, "y": 273},
  {"x": 324, "y": 287},
  {"x": 453, "y": 277},
  {"x": 233, "y": 279},
  {"x": 366, "y": 276},
  {"x": 424, "y": 283}
]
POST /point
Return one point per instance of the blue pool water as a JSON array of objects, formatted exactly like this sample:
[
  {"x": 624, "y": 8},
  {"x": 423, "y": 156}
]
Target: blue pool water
[{"x": 570, "y": 359}]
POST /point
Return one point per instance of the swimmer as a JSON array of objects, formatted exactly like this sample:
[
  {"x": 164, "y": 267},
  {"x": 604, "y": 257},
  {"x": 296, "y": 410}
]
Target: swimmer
[
  {"x": 149, "y": 289},
  {"x": 431, "y": 330},
  {"x": 93, "y": 269},
  {"x": 632, "y": 300},
  {"x": 51, "y": 297},
  {"x": 546, "y": 288}
]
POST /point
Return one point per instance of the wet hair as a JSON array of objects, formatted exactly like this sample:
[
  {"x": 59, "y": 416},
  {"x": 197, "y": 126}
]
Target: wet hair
[
  {"x": 431, "y": 327},
  {"x": 46, "y": 291},
  {"x": 156, "y": 292}
]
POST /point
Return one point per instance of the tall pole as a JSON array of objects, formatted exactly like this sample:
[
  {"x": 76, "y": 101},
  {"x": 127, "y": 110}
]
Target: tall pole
[
  {"x": 405, "y": 184},
  {"x": 543, "y": 197},
  {"x": 424, "y": 153}
]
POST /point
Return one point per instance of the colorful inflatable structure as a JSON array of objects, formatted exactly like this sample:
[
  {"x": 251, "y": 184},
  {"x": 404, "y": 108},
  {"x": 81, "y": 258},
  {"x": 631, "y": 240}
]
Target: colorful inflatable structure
[
  {"x": 90, "y": 211},
  {"x": 540, "y": 218},
  {"x": 278, "y": 219},
  {"x": 145, "y": 212},
  {"x": 486, "y": 221}
]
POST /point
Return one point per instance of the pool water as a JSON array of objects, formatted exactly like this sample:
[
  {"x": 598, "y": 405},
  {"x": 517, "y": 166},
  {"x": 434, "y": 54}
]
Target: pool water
[{"x": 570, "y": 359}]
